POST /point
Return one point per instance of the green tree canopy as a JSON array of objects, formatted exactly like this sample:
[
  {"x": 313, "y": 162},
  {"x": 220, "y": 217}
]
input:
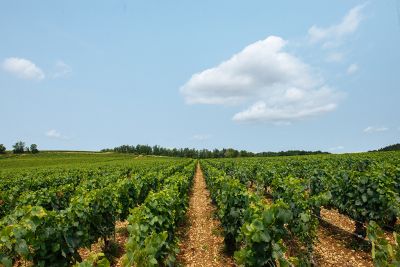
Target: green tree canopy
[
  {"x": 34, "y": 149},
  {"x": 2, "y": 149},
  {"x": 19, "y": 147}
]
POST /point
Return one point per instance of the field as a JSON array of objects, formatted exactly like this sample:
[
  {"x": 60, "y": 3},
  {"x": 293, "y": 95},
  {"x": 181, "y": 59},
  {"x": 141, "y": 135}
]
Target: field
[{"x": 101, "y": 209}]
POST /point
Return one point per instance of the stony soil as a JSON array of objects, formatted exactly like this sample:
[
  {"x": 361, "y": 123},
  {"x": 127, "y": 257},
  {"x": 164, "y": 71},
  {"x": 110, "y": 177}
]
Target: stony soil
[{"x": 201, "y": 242}]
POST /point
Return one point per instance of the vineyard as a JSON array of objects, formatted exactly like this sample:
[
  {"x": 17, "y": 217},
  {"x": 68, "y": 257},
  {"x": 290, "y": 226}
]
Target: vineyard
[{"x": 270, "y": 211}]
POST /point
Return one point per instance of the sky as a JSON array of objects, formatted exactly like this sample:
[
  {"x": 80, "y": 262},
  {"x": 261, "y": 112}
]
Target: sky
[{"x": 253, "y": 75}]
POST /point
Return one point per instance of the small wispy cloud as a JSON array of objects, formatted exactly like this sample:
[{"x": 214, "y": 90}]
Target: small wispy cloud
[
  {"x": 201, "y": 137},
  {"x": 23, "y": 68},
  {"x": 353, "y": 68},
  {"x": 61, "y": 70},
  {"x": 333, "y": 35},
  {"x": 56, "y": 135},
  {"x": 335, "y": 57},
  {"x": 373, "y": 129}
]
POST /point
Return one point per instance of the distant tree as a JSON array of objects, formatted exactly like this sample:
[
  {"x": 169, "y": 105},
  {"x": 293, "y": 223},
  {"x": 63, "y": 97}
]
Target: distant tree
[
  {"x": 2, "y": 149},
  {"x": 19, "y": 147},
  {"x": 144, "y": 149},
  {"x": 243, "y": 153},
  {"x": 157, "y": 150},
  {"x": 231, "y": 153},
  {"x": 34, "y": 149},
  {"x": 216, "y": 153}
]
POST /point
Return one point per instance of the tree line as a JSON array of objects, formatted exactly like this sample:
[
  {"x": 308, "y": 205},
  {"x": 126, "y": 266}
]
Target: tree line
[
  {"x": 390, "y": 148},
  {"x": 202, "y": 153},
  {"x": 20, "y": 148},
  {"x": 394, "y": 147}
]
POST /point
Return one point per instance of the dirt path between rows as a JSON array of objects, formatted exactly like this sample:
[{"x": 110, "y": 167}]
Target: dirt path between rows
[
  {"x": 333, "y": 249},
  {"x": 202, "y": 244}
]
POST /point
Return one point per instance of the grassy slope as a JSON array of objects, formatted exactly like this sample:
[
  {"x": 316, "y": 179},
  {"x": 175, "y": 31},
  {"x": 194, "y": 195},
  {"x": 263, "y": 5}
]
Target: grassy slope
[{"x": 54, "y": 159}]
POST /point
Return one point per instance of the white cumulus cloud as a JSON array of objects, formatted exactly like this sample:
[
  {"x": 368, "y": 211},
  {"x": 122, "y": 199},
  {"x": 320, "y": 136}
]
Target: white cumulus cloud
[
  {"x": 23, "y": 68},
  {"x": 373, "y": 129},
  {"x": 261, "y": 112},
  {"x": 55, "y": 134},
  {"x": 353, "y": 68},
  {"x": 332, "y": 35},
  {"x": 281, "y": 86}
]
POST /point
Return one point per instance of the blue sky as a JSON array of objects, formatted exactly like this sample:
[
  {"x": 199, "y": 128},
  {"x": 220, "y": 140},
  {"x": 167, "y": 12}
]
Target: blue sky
[{"x": 255, "y": 75}]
